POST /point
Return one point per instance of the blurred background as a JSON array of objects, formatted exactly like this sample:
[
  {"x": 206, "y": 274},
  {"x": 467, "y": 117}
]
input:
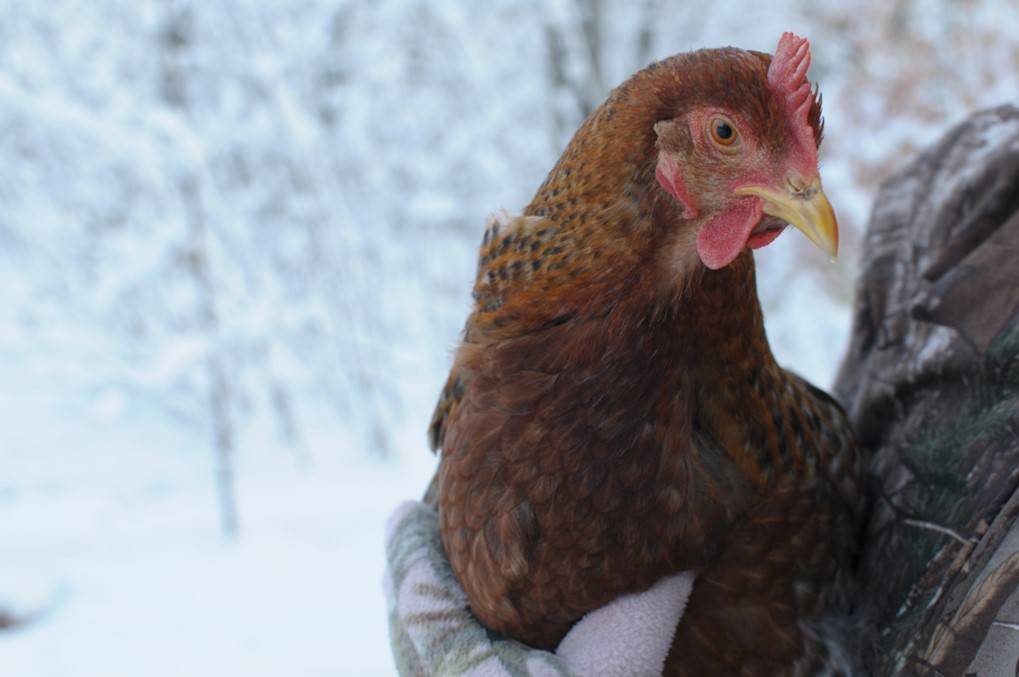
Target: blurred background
[{"x": 237, "y": 241}]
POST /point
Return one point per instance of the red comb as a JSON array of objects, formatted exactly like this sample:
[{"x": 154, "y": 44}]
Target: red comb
[{"x": 787, "y": 78}]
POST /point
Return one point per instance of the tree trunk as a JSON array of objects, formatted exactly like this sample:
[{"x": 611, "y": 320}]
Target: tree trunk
[{"x": 175, "y": 39}]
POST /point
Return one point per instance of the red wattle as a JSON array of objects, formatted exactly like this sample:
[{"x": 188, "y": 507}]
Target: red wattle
[
  {"x": 758, "y": 240},
  {"x": 723, "y": 237}
]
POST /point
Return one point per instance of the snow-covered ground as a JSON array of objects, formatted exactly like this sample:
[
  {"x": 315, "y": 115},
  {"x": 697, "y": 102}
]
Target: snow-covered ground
[
  {"x": 262, "y": 216},
  {"x": 110, "y": 546}
]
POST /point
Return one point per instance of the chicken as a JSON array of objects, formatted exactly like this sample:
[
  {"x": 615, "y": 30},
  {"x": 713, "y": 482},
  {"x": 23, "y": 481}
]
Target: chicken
[{"x": 614, "y": 413}]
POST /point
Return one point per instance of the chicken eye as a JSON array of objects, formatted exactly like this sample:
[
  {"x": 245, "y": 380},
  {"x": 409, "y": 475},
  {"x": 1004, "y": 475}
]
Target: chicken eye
[{"x": 722, "y": 132}]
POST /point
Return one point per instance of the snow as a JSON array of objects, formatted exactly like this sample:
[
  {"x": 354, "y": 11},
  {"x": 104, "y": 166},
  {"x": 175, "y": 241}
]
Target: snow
[
  {"x": 261, "y": 219},
  {"x": 121, "y": 570},
  {"x": 156, "y": 592}
]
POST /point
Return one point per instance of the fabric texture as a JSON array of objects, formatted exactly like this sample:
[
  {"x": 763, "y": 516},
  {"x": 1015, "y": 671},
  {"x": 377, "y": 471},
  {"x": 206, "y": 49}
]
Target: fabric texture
[
  {"x": 432, "y": 631},
  {"x": 931, "y": 386}
]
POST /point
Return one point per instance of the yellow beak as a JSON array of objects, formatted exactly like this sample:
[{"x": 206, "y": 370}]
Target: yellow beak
[{"x": 807, "y": 208}]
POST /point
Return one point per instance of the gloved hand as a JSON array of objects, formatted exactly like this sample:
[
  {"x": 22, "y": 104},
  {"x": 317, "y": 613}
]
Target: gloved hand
[{"x": 432, "y": 631}]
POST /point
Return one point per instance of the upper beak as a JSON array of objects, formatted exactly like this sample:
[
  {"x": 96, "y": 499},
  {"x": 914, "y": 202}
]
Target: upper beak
[{"x": 804, "y": 206}]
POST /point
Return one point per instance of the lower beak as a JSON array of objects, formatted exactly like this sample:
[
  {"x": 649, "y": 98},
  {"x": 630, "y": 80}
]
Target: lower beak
[{"x": 805, "y": 208}]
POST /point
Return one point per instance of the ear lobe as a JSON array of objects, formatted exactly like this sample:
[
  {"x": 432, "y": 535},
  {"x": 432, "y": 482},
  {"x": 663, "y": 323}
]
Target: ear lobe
[
  {"x": 670, "y": 176},
  {"x": 669, "y": 173}
]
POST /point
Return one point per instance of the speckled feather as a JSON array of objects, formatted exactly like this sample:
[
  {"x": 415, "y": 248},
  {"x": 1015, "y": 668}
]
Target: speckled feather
[{"x": 608, "y": 421}]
